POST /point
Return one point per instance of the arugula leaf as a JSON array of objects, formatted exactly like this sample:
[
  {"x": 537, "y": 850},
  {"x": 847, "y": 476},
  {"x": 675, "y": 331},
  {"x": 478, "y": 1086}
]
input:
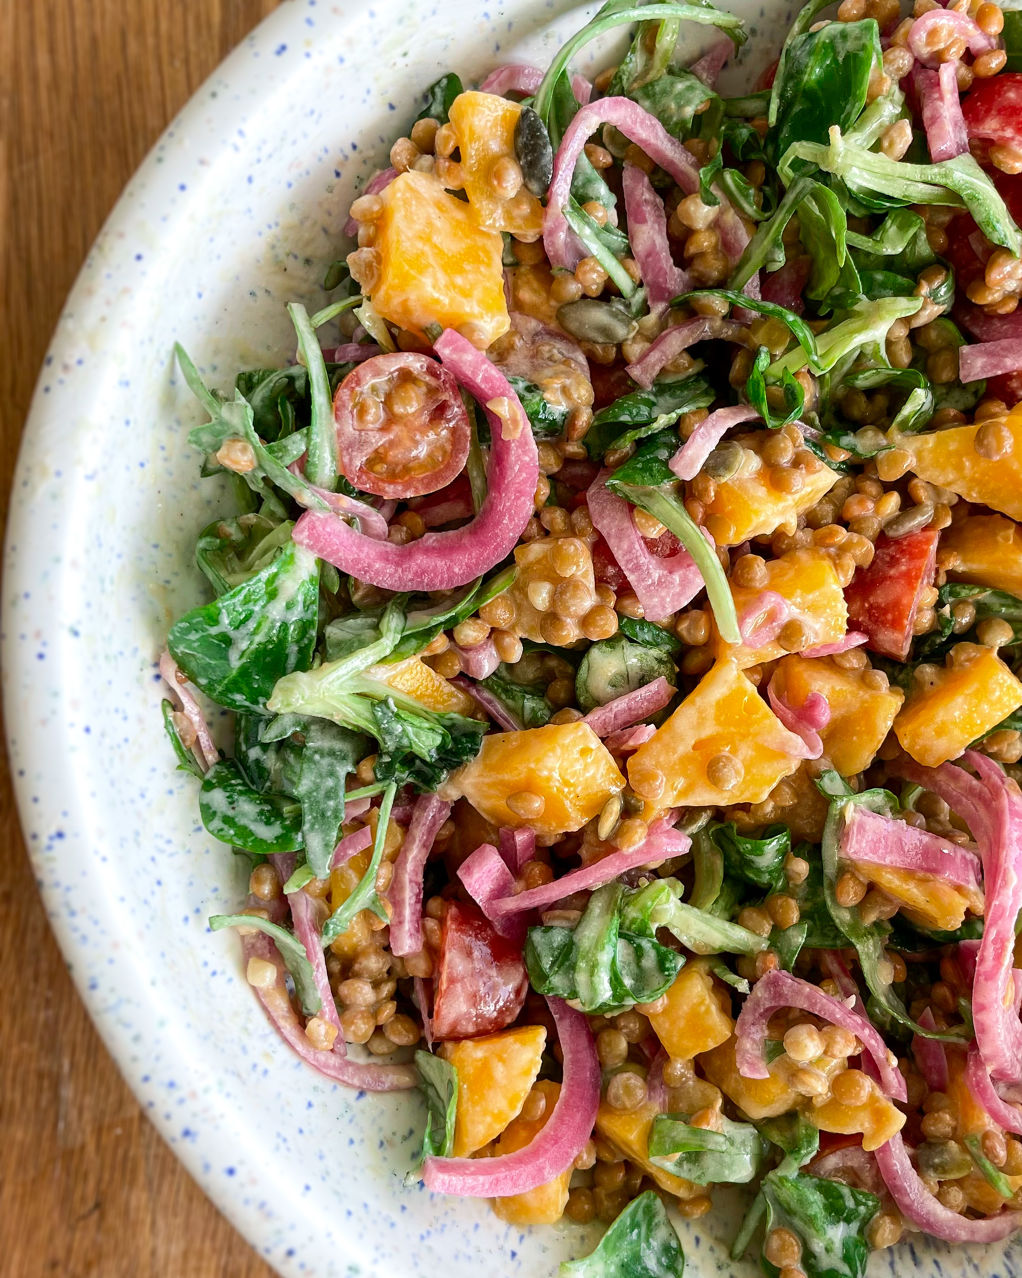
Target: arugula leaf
[
  {"x": 236, "y": 813},
  {"x": 756, "y": 861},
  {"x": 884, "y": 183},
  {"x": 613, "y": 667},
  {"x": 438, "y": 1083},
  {"x": 708, "y": 863},
  {"x": 649, "y": 634},
  {"x": 546, "y": 419},
  {"x": 824, "y": 81},
  {"x": 186, "y": 760},
  {"x": 659, "y": 904},
  {"x": 620, "y": 12},
  {"x": 229, "y": 551},
  {"x": 279, "y": 398},
  {"x": 439, "y": 97},
  {"x": 527, "y": 701},
  {"x": 330, "y": 754},
  {"x": 641, "y": 1243},
  {"x": 237, "y": 647},
  {"x": 797, "y": 326},
  {"x": 645, "y": 412},
  {"x": 732, "y": 1158},
  {"x": 803, "y": 21},
  {"x": 868, "y": 941},
  {"x": 598, "y": 963},
  {"x": 600, "y": 245},
  {"x": 641, "y": 481},
  {"x": 676, "y": 99},
  {"x": 823, "y": 231},
  {"x": 827, "y": 1217},
  {"x": 756, "y": 392},
  {"x": 321, "y": 454},
  {"x": 422, "y": 748},
  {"x": 648, "y": 57},
  {"x": 365, "y": 896},
  {"x": 292, "y": 951},
  {"x": 901, "y": 235}
]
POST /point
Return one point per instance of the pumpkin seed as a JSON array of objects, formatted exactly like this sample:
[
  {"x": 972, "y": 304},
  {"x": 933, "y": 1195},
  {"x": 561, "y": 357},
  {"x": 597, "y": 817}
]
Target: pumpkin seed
[
  {"x": 534, "y": 152},
  {"x": 944, "y": 1159},
  {"x": 600, "y": 322},
  {"x": 909, "y": 521},
  {"x": 725, "y": 461}
]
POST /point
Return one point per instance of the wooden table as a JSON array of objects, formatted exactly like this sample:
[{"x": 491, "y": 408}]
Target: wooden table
[{"x": 87, "y": 1187}]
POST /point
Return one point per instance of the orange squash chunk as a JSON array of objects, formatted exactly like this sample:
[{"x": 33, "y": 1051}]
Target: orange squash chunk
[
  {"x": 877, "y": 1118},
  {"x": 545, "y": 1204},
  {"x": 970, "y": 696},
  {"x": 495, "y": 1074},
  {"x": 723, "y": 715},
  {"x": 484, "y": 125},
  {"x": 437, "y": 265},
  {"x": 861, "y": 713},
  {"x": 696, "y": 1016},
  {"x": 752, "y": 503},
  {"x": 628, "y": 1131},
  {"x": 987, "y": 551},
  {"x": 926, "y": 899},
  {"x": 807, "y": 580},
  {"x": 949, "y": 459},
  {"x": 755, "y": 1097},
  {"x": 565, "y": 764}
]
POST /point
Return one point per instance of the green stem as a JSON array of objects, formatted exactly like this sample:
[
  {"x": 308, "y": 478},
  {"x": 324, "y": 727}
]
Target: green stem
[
  {"x": 584, "y": 229},
  {"x": 673, "y": 515},
  {"x": 321, "y": 458},
  {"x": 364, "y": 896},
  {"x": 334, "y": 309}
]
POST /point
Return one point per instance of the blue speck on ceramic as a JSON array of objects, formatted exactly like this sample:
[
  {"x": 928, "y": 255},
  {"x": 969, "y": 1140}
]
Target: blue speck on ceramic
[{"x": 238, "y": 210}]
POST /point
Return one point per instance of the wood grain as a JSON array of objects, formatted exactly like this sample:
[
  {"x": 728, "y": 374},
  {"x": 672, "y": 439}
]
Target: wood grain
[{"x": 87, "y": 1187}]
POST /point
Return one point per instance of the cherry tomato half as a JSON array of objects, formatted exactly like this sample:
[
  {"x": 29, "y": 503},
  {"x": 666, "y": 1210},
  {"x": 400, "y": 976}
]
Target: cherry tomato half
[
  {"x": 480, "y": 982},
  {"x": 402, "y": 428},
  {"x": 993, "y": 109}
]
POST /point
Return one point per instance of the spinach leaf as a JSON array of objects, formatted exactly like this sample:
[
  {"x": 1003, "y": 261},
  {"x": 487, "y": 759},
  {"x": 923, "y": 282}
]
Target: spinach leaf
[
  {"x": 803, "y": 21},
  {"x": 365, "y": 896},
  {"x": 798, "y": 1139},
  {"x": 438, "y": 1083},
  {"x": 827, "y": 1217},
  {"x": 292, "y": 951},
  {"x": 756, "y": 861},
  {"x": 229, "y": 551},
  {"x": 641, "y": 1243},
  {"x": 731, "y": 1156},
  {"x": 528, "y": 702},
  {"x": 439, "y": 97},
  {"x": 659, "y": 904},
  {"x": 598, "y": 964},
  {"x": 824, "y": 81},
  {"x": 237, "y": 647},
  {"x": 647, "y": 481},
  {"x": 883, "y": 183},
  {"x": 547, "y": 420},
  {"x": 613, "y": 667},
  {"x": 236, "y": 813},
  {"x": 823, "y": 230},
  {"x": 645, "y": 412},
  {"x": 901, "y": 236},
  {"x": 648, "y": 634},
  {"x": 422, "y": 748},
  {"x": 1011, "y": 39}
]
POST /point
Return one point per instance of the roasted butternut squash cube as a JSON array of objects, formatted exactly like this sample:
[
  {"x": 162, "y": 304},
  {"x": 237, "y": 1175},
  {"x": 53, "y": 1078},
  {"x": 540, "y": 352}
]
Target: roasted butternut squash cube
[
  {"x": 421, "y": 682},
  {"x": 565, "y": 770},
  {"x": 756, "y": 1097},
  {"x": 926, "y": 899},
  {"x": 723, "y": 732},
  {"x": 437, "y": 265},
  {"x": 970, "y": 696},
  {"x": 752, "y": 502},
  {"x": 628, "y": 1132},
  {"x": 985, "y": 550},
  {"x": 949, "y": 458},
  {"x": 697, "y": 1014},
  {"x": 484, "y": 125},
  {"x": 495, "y": 1074},
  {"x": 807, "y": 581},
  {"x": 545, "y": 1204},
  {"x": 861, "y": 712},
  {"x": 877, "y": 1118}
]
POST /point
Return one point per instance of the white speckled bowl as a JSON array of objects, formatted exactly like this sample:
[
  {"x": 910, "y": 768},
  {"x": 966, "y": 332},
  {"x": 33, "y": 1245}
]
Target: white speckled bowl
[{"x": 237, "y": 210}]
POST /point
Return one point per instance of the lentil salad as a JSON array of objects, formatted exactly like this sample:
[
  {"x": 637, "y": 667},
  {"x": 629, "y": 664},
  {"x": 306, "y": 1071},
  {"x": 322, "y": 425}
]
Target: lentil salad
[{"x": 620, "y": 625}]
